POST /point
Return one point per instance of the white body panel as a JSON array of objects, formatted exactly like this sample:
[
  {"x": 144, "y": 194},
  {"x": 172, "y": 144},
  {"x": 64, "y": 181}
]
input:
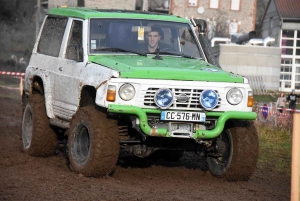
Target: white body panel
[{"x": 142, "y": 85}]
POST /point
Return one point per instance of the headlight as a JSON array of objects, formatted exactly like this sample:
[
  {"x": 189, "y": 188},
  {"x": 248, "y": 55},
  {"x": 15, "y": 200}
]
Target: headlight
[
  {"x": 164, "y": 98},
  {"x": 209, "y": 99},
  {"x": 126, "y": 92},
  {"x": 234, "y": 96}
]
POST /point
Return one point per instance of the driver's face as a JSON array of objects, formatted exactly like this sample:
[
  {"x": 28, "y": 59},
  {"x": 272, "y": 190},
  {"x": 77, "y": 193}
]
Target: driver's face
[{"x": 153, "y": 38}]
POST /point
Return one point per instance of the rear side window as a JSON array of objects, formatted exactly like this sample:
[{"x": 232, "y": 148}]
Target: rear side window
[
  {"x": 52, "y": 35},
  {"x": 74, "y": 48}
]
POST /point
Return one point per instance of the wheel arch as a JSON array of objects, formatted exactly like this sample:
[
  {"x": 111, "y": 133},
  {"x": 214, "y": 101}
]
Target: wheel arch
[
  {"x": 40, "y": 84},
  {"x": 87, "y": 96}
]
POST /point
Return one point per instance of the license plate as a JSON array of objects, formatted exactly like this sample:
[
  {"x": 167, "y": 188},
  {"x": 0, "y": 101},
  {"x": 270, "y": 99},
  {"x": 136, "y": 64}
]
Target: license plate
[{"x": 182, "y": 116}]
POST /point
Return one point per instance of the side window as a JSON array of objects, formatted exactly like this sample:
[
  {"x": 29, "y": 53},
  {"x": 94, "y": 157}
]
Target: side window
[
  {"x": 52, "y": 35},
  {"x": 187, "y": 42},
  {"x": 74, "y": 47}
]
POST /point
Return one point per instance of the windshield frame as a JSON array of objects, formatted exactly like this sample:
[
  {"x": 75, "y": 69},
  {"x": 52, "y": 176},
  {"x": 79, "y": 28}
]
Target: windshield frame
[{"x": 171, "y": 25}]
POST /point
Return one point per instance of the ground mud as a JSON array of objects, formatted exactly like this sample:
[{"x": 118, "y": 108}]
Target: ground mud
[{"x": 23, "y": 177}]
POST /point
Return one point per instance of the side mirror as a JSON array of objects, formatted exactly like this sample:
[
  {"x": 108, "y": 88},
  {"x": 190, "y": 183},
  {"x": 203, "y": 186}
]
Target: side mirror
[{"x": 202, "y": 26}]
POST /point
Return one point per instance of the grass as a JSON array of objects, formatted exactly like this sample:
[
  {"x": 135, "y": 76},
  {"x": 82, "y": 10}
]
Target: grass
[
  {"x": 265, "y": 98},
  {"x": 275, "y": 148},
  {"x": 9, "y": 81}
]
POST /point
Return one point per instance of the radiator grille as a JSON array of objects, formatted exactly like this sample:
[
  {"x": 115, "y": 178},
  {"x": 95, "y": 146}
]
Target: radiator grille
[{"x": 193, "y": 95}]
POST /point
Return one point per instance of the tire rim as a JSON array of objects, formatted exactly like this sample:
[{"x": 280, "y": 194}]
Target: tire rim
[
  {"x": 27, "y": 126},
  {"x": 81, "y": 144},
  {"x": 224, "y": 146},
  {"x": 219, "y": 165}
]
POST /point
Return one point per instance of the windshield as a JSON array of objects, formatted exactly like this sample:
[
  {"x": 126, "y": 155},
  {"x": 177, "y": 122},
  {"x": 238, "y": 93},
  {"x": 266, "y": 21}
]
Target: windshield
[{"x": 142, "y": 37}]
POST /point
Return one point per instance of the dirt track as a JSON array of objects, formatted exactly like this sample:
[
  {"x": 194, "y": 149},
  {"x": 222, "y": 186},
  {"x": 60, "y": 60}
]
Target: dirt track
[{"x": 23, "y": 177}]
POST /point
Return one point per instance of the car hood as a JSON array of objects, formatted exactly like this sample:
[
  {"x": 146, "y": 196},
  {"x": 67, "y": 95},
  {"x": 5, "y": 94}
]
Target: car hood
[{"x": 169, "y": 68}]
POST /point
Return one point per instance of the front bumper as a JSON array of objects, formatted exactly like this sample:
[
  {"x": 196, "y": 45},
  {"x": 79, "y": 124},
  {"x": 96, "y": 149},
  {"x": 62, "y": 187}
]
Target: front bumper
[{"x": 162, "y": 132}]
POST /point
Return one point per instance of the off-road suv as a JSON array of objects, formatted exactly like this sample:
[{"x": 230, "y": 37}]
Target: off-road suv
[{"x": 91, "y": 76}]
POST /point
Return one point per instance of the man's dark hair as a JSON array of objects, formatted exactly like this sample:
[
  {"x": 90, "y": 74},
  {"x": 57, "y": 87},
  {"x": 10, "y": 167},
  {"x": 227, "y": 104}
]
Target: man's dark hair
[{"x": 156, "y": 29}]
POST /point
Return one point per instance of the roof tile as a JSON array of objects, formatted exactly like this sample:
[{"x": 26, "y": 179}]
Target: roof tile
[{"x": 288, "y": 8}]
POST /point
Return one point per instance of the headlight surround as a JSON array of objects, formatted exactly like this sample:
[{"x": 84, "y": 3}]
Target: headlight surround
[
  {"x": 209, "y": 99},
  {"x": 164, "y": 98},
  {"x": 126, "y": 92},
  {"x": 234, "y": 96}
]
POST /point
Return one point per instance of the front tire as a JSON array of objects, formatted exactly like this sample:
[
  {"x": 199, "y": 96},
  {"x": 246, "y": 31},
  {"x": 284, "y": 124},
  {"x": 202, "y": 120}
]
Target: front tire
[
  {"x": 37, "y": 136},
  {"x": 239, "y": 149},
  {"x": 93, "y": 143}
]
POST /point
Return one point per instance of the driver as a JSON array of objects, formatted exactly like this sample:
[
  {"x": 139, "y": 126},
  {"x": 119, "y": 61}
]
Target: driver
[{"x": 153, "y": 37}]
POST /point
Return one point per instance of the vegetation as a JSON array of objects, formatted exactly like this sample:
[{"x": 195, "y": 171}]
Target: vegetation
[
  {"x": 265, "y": 98},
  {"x": 275, "y": 148}
]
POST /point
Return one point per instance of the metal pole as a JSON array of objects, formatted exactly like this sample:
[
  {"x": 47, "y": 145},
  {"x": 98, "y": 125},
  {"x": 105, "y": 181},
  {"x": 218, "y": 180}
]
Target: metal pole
[
  {"x": 37, "y": 19},
  {"x": 295, "y": 181}
]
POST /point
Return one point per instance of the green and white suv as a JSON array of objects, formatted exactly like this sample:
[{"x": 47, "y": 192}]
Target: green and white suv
[{"x": 91, "y": 76}]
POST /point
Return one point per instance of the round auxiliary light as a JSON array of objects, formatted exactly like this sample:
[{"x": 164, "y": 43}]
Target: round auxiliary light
[
  {"x": 209, "y": 99},
  {"x": 234, "y": 96},
  {"x": 164, "y": 98},
  {"x": 126, "y": 92}
]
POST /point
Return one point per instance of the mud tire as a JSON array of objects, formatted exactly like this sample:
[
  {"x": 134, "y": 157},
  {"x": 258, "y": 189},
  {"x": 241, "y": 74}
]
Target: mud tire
[
  {"x": 242, "y": 152},
  {"x": 38, "y": 138},
  {"x": 93, "y": 143}
]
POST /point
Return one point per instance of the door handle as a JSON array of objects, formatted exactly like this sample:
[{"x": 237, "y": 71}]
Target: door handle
[{"x": 60, "y": 68}]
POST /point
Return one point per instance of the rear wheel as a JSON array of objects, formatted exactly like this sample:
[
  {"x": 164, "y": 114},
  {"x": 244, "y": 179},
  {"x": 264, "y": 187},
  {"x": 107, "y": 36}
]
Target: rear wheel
[
  {"x": 236, "y": 153},
  {"x": 38, "y": 138},
  {"x": 93, "y": 143}
]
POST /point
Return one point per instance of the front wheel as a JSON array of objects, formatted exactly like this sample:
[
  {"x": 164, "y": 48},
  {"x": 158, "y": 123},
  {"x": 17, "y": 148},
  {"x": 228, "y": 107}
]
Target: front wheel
[
  {"x": 93, "y": 143},
  {"x": 236, "y": 152}
]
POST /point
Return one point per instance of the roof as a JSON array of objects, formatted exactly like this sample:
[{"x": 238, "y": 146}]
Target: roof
[
  {"x": 288, "y": 8},
  {"x": 86, "y": 13}
]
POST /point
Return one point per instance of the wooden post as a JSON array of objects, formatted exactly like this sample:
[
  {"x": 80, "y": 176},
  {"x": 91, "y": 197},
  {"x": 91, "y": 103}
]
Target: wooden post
[
  {"x": 295, "y": 181},
  {"x": 21, "y": 86}
]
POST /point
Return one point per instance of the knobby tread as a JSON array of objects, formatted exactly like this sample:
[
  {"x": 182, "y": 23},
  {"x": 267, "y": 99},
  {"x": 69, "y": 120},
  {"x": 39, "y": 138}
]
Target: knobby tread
[
  {"x": 104, "y": 142},
  {"x": 44, "y": 138},
  {"x": 245, "y": 151}
]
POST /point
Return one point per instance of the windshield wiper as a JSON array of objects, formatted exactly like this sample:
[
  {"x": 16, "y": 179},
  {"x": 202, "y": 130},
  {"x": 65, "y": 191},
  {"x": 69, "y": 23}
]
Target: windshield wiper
[
  {"x": 181, "y": 55},
  {"x": 116, "y": 49}
]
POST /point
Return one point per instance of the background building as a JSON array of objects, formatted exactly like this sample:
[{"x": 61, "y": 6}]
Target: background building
[
  {"x": 223, "y": 17},
  {"x": 282, "y": 21}
]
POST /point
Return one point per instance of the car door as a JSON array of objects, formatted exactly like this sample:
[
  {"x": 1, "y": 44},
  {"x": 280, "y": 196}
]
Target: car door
[{"x": 67, "y": 88}]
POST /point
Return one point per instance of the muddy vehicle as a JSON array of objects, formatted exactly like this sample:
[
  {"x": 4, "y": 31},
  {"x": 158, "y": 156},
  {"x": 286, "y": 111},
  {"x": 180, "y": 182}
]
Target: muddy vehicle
[{"x": 93, "y": 76}]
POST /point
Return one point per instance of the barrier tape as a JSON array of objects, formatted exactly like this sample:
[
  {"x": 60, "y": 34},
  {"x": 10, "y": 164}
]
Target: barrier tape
[
  {"x": 269, "y": 93},
  {"x": 277, "y": 111},
  {"x": 12, "y": 74},
  {"x": 255, "y": 103},
  {"x": 10, "y": 88}
]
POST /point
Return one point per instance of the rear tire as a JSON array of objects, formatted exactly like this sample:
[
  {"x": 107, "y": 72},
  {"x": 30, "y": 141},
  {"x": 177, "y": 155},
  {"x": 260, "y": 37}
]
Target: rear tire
[
  {"x": 93, "y": 143},
  {"x": 37, "y": 136},
  {"x": 240, "y": 150}
]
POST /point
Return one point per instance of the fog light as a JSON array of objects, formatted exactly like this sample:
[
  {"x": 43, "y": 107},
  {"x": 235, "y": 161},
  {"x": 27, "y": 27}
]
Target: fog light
[
  {"x": 209, "y": 99},
  {"x": 164, "y": 98}
]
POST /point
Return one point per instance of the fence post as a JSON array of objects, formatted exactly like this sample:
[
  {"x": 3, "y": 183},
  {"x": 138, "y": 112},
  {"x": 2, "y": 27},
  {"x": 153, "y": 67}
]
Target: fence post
[
  {"x": 295, "y": 181},
  {"x": 21, "y": 85}
]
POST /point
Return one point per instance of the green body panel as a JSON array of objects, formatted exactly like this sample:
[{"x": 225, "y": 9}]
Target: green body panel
[
  {"x": 169, "y": 68},
  {"x": 162, "y": 132},
  {"x": 86, "y": 13}
]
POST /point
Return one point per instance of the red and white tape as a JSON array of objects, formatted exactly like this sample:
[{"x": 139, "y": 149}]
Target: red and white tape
[
  {"x": 12, "y": 73},
  {"x": 278, "y": 112}
]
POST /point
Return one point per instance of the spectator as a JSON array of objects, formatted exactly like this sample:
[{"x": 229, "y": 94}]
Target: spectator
[
  {"x": 281, "y": 102},
  {"x": 292, "y": 98}
]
